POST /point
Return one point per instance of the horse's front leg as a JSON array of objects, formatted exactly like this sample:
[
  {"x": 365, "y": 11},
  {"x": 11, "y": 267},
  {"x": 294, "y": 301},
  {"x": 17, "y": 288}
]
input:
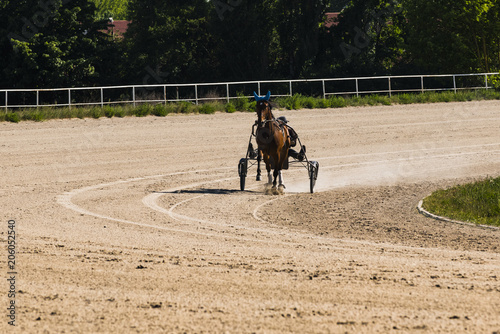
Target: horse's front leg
[
  {"x": 280, "y": 190},
  {"x": 270, "y": 178},
  {"x": 277, "y": 176},
  {"x": 281, "y": 183}
]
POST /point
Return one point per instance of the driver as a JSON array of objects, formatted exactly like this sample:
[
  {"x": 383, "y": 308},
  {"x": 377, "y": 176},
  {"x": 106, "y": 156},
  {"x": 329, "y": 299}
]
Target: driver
[{"x": 293, "y": 140}]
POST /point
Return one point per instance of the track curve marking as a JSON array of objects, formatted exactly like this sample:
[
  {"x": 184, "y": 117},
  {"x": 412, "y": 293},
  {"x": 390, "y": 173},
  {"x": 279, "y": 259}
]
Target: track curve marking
[{"x": 151, "y": 200}]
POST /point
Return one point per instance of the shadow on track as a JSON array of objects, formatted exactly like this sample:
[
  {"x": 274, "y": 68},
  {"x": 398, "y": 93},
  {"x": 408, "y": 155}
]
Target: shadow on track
[{"x": 203, "y": 191}]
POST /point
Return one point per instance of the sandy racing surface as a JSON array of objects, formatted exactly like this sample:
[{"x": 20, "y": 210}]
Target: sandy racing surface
[{"x": 138, "y": 225}]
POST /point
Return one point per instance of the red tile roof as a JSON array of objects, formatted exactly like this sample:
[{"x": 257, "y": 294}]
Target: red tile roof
[
  {"x": 118, "y": 28},
  {"x": 331, "y": 19}
]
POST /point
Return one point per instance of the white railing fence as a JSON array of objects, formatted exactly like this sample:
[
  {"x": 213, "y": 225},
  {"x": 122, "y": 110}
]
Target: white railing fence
[{"x": 199, "y": 92}]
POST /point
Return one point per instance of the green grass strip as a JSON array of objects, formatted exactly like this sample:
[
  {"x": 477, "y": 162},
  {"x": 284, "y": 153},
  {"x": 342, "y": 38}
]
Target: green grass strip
[
  {"x": 241, "y": 103},
  {"x": 477, "y": 202}
]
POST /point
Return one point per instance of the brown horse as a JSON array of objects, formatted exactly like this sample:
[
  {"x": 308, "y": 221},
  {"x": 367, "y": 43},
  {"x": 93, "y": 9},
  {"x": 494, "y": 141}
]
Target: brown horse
[{"x": 273, "y": 141}]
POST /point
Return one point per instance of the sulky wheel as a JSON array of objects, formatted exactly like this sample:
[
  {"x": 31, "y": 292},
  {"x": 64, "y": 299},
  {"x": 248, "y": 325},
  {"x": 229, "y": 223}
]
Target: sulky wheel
[
  {"x": 313, "y": 174},
  {"x": 242, "y": 172}
]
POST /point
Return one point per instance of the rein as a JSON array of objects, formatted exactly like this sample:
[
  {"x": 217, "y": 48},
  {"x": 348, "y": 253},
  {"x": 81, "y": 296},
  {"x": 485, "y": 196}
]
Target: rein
[{"x": 273, "y": 121}]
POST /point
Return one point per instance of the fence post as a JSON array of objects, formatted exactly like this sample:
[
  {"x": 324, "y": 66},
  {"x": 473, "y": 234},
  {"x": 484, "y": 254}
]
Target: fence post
[
  {"x": 37, "y": 98},
  {"x": 133, "y": 96},
  {"x": 196, "y": 93},
  {"x": 165, "y": 94},
  {"x": 69, "y": 98},
  {"x": 258, "y": 88},
  {"x": 6, "y": 99},
  {"x": 291, "y": 92},
  {"x": 102, "y": 97},
  {"x": 486, "y": 79},
  {"x": 454, "y": 83},
  {"x": 324, "y": 90},
  {"x": 227, "y": 92},
  {"x": 390, "y": 87},
  {"x": 357, "y": 88},
  {"x": 422, "y": 82}
]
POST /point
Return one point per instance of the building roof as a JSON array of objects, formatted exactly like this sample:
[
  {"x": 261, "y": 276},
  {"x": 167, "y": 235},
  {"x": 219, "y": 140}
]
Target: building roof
[
  {"x": 117, "y": 28},
  {"x": 331, "y": 19}
]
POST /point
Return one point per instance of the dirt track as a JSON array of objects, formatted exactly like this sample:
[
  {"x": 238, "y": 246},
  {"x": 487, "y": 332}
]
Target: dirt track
[{"x": 137, "y": 225}]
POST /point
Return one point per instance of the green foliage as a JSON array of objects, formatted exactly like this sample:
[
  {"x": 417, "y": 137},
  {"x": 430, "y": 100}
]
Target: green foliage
[
  {"x": 63, "y": 44},
  {"x": 454, "y": 36},
  {"x": 207, "y": 108},
  {"x": 296, "y": 101},
  {"x": 369, "y": 38},
  {"x": 160, "y": 110},
  {"x": 117, "y": 9},
  {"x": 12, "y": 117},
  {"x": 494, "y": 81},
  {"x": 119, "y": 112},
  {"x": 36, "y": 116},
  {"x": 291, "y": 102},
  {"x": 60, "y": 44},
  {"x": 478, "y": 202},
  {"x": 143, "y": 110},
  {"x": 170, "y": 38},
  {"x": 108, "y": 111},
  {"x": 96, "y": 112},
  {"x": 230, "y": 108},
  {"x": 337, "y": 102},
  {"x": 241, "y": 103},
  {"x": 184, "y": 107}
]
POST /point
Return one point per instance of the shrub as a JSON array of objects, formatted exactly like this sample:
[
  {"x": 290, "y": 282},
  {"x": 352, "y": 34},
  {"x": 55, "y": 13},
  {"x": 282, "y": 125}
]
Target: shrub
[
  {"x": 36, "y": 116},
  {"x": 337, "y": 102},
  {"x": 119, "y": 111},
  {"x": 494, "y": 81},
  {"x": 143, "y": 110},
  {"x": 109, "y": 111},
  {"x": 96, "y": 112},
  {"x": 184, "y": 107},
  {"x": 404, "y": 98},
  {"x": 241, "y": 103},
  {"x": 309, "y": 102},
  {"x": 229, "y": 107},
  {"x": 324, "y": 103},
  {"x": 207, "y": 108},
  {"x": 12, "y": 117},
  {"x": 160, "y": 110},
  {"x": 381, "y": 99},
  {"x": 291, "y": 102}
]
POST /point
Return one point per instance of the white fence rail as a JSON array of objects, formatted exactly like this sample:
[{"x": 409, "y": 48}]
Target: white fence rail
[{"x": 199, "y": 92}]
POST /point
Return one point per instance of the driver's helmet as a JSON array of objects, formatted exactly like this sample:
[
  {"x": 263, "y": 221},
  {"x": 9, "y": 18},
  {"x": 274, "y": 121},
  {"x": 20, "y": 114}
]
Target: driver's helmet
[{"x": 283, "y": 119}]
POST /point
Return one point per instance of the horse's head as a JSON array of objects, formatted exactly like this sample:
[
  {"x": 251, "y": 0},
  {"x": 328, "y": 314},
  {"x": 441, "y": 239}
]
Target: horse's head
[{"x": 263, "y": 108}]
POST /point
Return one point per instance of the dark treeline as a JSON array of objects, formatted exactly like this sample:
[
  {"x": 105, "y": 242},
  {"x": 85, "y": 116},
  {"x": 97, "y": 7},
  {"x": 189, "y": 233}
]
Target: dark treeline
[{"x": 63, "y": 43}]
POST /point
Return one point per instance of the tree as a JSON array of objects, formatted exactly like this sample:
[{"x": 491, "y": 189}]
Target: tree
[
  {"x": 117, "y": 9},
  {"x": 454, "y": 36},
  {"x": 247, "y": 43},
  {"x": 55, "y": 44},
  {"x": 169, "y": 38},
  {"x": 299, "y": 25},
  {"x": 369, "y": 38}
]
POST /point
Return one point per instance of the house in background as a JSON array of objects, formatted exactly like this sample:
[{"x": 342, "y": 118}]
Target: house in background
[
  {"x": 118, "y": 28},
  {"x": 331, "y": 19}
]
